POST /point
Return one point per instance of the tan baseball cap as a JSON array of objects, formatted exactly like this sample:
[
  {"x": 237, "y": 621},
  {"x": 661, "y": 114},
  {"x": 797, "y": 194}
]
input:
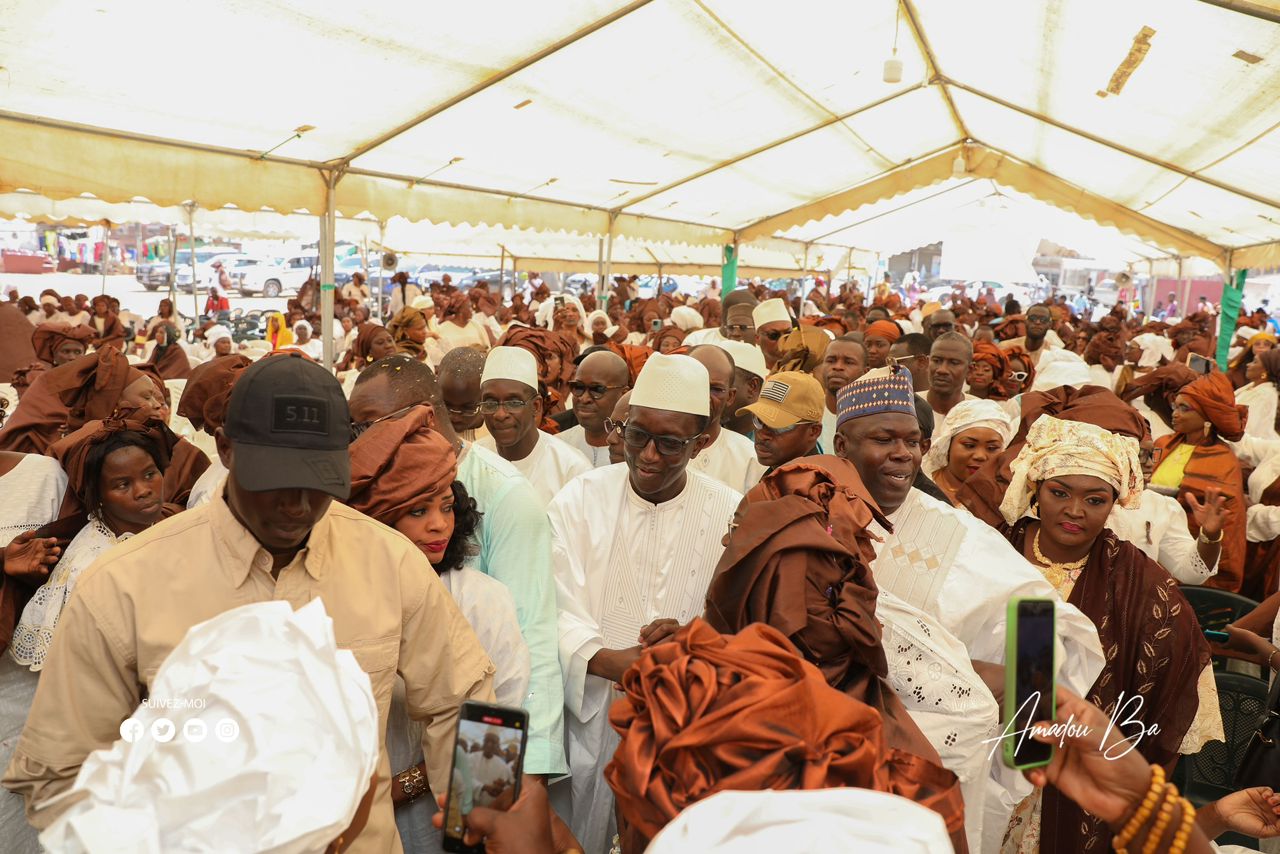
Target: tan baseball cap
[{"x": 789, "y": 398}]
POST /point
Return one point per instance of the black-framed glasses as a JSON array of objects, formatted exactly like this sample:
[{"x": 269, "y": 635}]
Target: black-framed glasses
[
  {"x": 596, "y": 390},
  {"x": 637, "y": 439},
  {"x": 740, "y": 328},
  {"x": 515, "y": 405},
  {"x": 359, "y": 427},
  {"x": 775, "y": 334}
]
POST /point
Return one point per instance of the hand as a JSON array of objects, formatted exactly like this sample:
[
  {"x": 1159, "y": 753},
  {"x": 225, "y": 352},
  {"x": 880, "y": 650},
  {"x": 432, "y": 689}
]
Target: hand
[
  {"x": 1246, "y": 645},
  {"x": 529, "y": 827},
  {"x": 30, "y": 558},
  {"x": 1209, "y": 514},
  {"x": 1094, "y": 775},
  {"x": 612, "y": 663},
  {"x": 658, "y": 631},
  {"x": 1253, "y": 812}
]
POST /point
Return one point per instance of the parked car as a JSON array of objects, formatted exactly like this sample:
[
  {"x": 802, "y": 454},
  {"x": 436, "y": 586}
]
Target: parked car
[
  {"x": 237, "y": 266},
  {"x": 156, "y": 276},
  {"x": 271, "y": 280},
  {"x": 975, "y": 289},
  {"x": 428, "y": 273},
  {"x": 344, "y": 269},
  {"x": 488, "y": 277}
]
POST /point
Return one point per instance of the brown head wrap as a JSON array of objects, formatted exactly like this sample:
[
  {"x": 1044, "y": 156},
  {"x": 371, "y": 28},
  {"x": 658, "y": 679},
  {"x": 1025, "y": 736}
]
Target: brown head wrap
[
  {"x": 452, "y": 304},
  {"x": 708, "y": 712},
  {"x": 802, "y": 349},
  {"x": 73, "y": 451},
  {"x": 394, "y": 464},
  {"x": 399, "y": 328},
  {"x": 990, "y": 354},
  {"x": 48, "y": 337},
  {"x": 208, "y": 391},
  {"x": 670, "y": 333},
  {"x": 364, "y": 340},
  {"x": 1021, "y": 354},
  {"x": 1215, "y": 400}
]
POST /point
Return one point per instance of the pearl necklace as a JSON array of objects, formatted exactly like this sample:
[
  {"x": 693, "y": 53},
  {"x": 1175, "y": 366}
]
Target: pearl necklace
[{"x": 1058, "y": 574}]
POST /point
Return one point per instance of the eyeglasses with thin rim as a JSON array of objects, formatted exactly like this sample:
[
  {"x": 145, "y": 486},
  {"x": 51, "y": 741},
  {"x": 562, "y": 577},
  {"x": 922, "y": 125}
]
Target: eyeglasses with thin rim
[
  {"x": 740, "y": 328},
  {"x": 464, "y": 411},
  {"x": 515, "y": 406},
  {"x": 596, "y": 390},
  {"x": 637, "y": 439},
  {"x": 359, "y": 427}
]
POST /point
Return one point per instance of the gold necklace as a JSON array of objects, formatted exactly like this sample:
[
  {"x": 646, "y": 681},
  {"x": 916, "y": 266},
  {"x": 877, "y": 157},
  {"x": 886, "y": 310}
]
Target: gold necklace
[{"x": 1057, "y": 574}]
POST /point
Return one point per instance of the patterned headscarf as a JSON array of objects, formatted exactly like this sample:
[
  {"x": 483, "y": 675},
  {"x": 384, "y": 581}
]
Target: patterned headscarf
[
  {"x": 1057, "y": 448},
  {"x": 966, "y": 415}
]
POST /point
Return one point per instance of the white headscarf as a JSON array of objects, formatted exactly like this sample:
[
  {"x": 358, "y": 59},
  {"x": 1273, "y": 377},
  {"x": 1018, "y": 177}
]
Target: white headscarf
[
  {"x": 1058, "y": 368},
  {"x": 547, "y": 311},
  {"x": 592, "y": 317},
  {"x": 292, "y": 740},
  {"x": 1057, "y": 448},
  {"x": 966, "y": 415},
  {"x": 688, "y": 319},
  {"x": 214, "y": 334},
  {"x": 1154, "y": 347}
]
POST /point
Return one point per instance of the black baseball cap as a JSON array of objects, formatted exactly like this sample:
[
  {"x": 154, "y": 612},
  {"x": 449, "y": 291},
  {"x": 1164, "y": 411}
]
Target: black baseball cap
[{"x": 290, "y": 426}]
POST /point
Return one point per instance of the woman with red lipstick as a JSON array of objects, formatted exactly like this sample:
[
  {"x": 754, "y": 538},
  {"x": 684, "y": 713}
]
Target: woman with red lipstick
[
  {"x": 1063, "y": 485},
  {"x": 974, "y": 432},
  {"x": 403, "y": 475}
]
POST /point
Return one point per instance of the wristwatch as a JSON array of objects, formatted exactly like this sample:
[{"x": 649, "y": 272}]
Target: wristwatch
[{"x": 413, "y": 783}]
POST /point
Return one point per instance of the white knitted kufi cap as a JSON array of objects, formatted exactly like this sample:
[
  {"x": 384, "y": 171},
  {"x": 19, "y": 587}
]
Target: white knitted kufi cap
[
  {"x": 770, "y": 311},
  {"x": 673, "y": 383},
  {"x": 749, "y": 357},
  {"x": 511, "y": 363}
]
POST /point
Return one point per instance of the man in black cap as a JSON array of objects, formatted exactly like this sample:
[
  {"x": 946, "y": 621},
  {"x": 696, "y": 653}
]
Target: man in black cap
[{"x": 271, "y": 532}]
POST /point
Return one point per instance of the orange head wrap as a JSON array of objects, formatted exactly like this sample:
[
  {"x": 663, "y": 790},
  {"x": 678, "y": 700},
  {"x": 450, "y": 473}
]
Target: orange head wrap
[
  {"x": 1213, "y": 397},
  {"x": 886, "y": 329},
  {"x": 395, "y": 464}
]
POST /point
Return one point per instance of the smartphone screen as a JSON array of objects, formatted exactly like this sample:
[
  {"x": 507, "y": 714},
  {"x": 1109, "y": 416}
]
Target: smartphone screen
[
  {"x": 657, "y": 324},
  {"x": 488, "y": 757},
  {"x": 1032, "y": 695},
  {"x": 1199, "y": 364}
]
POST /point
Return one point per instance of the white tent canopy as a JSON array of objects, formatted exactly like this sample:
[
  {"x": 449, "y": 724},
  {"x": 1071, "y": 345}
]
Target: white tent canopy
[{"x": 690, "y": 122}]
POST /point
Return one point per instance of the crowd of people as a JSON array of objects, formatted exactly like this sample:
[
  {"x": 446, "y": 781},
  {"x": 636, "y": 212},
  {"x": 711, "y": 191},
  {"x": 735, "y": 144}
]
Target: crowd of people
[{"x": 715, "y": 547}]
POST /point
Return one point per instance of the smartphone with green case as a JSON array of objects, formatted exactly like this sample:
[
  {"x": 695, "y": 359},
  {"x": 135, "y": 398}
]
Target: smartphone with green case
[{"x": 1029, "y": 689}]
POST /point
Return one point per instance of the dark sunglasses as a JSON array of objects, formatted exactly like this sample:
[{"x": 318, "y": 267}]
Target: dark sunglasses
[
  {"x": 774, "y": 334},
  {"x": 637, "y": 439},
  {"x": 596, "y": 390}
]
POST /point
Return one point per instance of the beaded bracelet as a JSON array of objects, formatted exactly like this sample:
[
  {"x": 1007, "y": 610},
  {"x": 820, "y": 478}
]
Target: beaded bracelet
[
  {"x": 1163, "y": 820},
  {"x": 1154, "y": 793},
  {"x": 1183, "y": 836}
]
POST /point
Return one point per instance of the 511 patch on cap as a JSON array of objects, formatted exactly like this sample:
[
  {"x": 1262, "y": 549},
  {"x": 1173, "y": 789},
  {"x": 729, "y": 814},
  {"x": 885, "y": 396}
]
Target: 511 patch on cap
[{"x": 295, "y": 413}]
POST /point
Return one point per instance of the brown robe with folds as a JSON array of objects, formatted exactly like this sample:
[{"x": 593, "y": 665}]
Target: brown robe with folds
[
  {"x": 62, "y": 399},
  {"x": 707, "y": 712},
  {"x": 171, "y": 363},
  {"x": 16, "y": 350},
  {"x": 1216, "y": 465},
  {"x": 113, "y": 331},
  {"x": 1154, "y": 649},
  {"x": 785, "y": 568}
]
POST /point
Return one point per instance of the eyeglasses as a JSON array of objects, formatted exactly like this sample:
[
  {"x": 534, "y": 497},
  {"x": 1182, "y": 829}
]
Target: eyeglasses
[
  {"x": 1019, "y": 376},
  {"x": 775, "y": 334},
  {"x": 359, "y": 427},
  {"x": 464, "y": 411},
  {"x": 596, "y": 390},
  {"x": 741, "y": 328},
  {"x": 902, "y": 361},
  {"x": 761, "y": 427},
  {"x": 515, "y": 407},
  {"x": 637, "y": 439}
]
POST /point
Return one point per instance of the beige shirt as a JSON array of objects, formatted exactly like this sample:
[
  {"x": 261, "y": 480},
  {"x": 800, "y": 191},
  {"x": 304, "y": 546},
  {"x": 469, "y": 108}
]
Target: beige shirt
[{"x": 135, "y": 604}]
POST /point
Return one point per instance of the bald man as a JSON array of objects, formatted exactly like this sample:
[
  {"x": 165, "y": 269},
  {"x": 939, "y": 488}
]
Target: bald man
[
  {"x": 729, "y": 457},
  {"x": 602, "y": 377}
]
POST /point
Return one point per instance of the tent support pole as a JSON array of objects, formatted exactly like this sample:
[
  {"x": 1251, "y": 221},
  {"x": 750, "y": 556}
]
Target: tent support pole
[
  {"x": 195, "y": 283},
  {"x": 382, "y": 248},
  {"x": 502, "y": 265},
  {"x": 173, "y": 260},
  {"x": 106, "y": 253},
  {"x": 328, "y": 231},
  {"x": 600, "y": 289},
  {"x": 608, "y": 255}
]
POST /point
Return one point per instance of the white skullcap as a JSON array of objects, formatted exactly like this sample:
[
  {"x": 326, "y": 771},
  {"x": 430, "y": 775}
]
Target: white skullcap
[
  {"x": 422, "y": 302},
  {"x": 673, "y": 383},
  {"x": 770, "y": 311},
  {"x": 511, "y": 363},
  {"x": 1059, "y": 368},
  {"x": 809, "y": 308},
  {"x": 214, "y": 334},
  {"x": 288, "y": 779},
  {"x": 749, "y": 357},
  {"x": 966, "y": 415},
  {"x": 804, "y": 820},
  {"x": 686, "y": 318},
  {"x": 49, "y": 299}
]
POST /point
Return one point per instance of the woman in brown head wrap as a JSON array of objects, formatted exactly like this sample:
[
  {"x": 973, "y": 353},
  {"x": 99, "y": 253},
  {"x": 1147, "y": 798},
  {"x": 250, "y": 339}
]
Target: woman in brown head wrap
[
  {"x": 666, "y": 339},
  {"x": 1237, "y": 369},
  {"x": 1196, "y": 458},
  {"x": 1021, "y": 373},
  {"x": 373, "y": 342},
  {"x": 457, "y": 327},
  {"x": 802, "y": 349},
  {"x": 708, "y": 712},
  {"x": 410, "y": 329},
  {"x": 403, "y": 475},
  {"x": 168, "y": 359},
  {"x": 115, "y": 469},
  {"x": 988, "y": 372},
  {"x": 555, "y": 354},
  {"x": 58, "y": 343},
  {"x": 105, "y": 324}
]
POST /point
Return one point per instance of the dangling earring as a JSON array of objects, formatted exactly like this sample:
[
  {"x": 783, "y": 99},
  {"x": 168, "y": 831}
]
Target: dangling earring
[
  {"x": 1207, "y": 428},
  {"x": 1035, "y": 507}
]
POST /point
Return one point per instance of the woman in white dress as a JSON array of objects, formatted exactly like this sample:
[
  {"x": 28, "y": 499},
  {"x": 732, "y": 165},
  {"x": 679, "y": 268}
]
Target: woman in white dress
[
  {"x": 403, "y": 475},
  {"x": 1260, "y": 394},
  {"x": 116, "y": 469}
]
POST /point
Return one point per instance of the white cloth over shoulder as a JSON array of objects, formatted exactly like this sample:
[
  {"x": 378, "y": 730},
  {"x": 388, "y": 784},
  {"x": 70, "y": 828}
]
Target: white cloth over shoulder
[
  {"x": 803, "y": 821},
  {"x": 730, "y": 459},
  {"x": 1159, "y": 528},
  {"x": 1261, "y": 400},
  {"x": 620, "y": 563},
  {"x": 549, "y": 466},
  {"x": 304, "y": 741},
  {"x": 30, "y": 495}
]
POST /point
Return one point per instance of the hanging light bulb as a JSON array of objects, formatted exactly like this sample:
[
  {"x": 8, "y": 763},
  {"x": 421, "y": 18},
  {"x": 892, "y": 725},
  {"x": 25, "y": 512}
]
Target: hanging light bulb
[
  {"x": 959, "y": 167},
  {"x": 893, "y": 65}
]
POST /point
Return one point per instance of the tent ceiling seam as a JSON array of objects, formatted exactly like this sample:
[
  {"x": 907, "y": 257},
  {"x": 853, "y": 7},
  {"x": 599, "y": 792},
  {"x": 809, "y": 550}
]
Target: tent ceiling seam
[
  {"x": 1114, "y": 146},
  {"x": 493, "y": 80},
  {"x": 769, "y": 146},
  {"x": 931, "y": 64},
  {"x": 898, "y": 209}
]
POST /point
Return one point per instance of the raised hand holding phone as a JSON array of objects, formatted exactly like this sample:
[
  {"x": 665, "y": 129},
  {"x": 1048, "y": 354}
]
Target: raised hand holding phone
[{"x": 488, "y": 760}]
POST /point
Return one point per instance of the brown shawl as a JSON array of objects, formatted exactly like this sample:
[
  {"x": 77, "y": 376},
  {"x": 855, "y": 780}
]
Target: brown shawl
[
  {"x": 113, "y": 331},
  {"x": 707, "y": 712},
  {"x": 394, "y": 464},
  {"x": 1154, "y": 649},
  {"x": 48, "y": 337},
  {"x": 62, "y": 399},
  {"x": 1215, "y": 465},
  {"x": 15, "y": 341},
  {"x": 208, "y": 391},
  {"x": 169, "y": 362}
]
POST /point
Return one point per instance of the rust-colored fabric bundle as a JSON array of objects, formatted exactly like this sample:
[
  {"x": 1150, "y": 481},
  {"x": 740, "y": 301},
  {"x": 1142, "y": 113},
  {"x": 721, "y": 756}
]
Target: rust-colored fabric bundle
[
  {"x": 633, "y": 355},
  {"x": 1213, "y": 397},
  {"x": 886, "y": 329},
  {"x": 707, "y": 712},
  {"x": 72, "y": 452},
  {"x": 394, "y": 464},
  {"x": 803, "y": 347},
  {"x": 208, "y": 391},
  {"x": 669, "y": 334},
  {"x": 62, "y": 399},
  {"x": 15, "y": 341},
  {"x": 48, "y": 337},
  {"x": 983, "y": 491}
]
